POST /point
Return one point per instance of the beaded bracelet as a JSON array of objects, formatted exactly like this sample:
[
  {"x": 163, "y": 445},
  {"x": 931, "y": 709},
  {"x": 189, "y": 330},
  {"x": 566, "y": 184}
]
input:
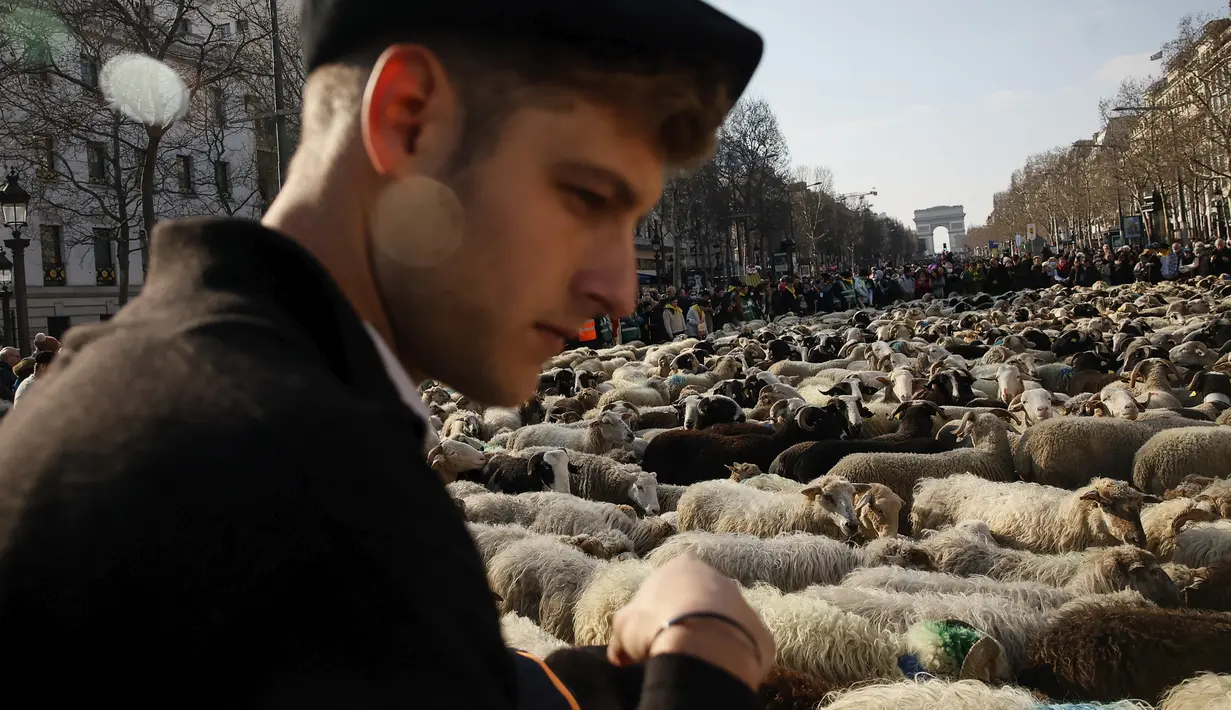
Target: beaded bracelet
[{"x": 756, "y": 647}]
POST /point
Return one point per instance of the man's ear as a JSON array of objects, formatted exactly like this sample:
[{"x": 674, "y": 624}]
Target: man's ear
[{"x": 409, "y": 115}]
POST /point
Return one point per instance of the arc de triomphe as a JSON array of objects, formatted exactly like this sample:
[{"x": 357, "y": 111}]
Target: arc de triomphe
[{"x": 951, "y": 217}]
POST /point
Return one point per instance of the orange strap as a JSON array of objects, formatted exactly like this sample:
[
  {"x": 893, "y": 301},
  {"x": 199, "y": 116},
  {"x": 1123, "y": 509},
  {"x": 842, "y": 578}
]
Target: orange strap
[{"x": 564, "y": 691}]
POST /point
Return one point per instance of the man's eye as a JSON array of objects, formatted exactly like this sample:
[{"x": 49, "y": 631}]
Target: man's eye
[{"x": 591, "y": 200}]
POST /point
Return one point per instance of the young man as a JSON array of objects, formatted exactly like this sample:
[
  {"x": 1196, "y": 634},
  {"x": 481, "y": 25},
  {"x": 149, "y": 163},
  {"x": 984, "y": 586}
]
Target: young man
[{"x": 218, "y": 499}]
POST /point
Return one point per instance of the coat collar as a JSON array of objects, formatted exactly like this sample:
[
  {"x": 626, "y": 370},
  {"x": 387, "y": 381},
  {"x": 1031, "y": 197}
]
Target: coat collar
[{"x": 208, "y": 265}]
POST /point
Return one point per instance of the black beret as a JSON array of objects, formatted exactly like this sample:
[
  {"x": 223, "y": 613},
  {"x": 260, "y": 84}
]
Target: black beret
[{"x": 684, "y": 31}]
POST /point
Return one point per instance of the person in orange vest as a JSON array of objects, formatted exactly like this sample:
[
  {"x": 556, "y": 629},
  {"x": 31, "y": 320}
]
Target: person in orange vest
[{"x": 587, "y": 332}]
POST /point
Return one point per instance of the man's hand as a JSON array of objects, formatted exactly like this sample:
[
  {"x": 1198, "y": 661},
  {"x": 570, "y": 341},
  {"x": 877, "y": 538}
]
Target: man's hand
[{"x": 683, "y": 585}]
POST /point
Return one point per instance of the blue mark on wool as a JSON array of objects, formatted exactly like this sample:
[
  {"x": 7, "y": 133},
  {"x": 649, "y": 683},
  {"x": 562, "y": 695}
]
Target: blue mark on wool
[
  {"x": 1066, "y": 371},
  {"x": 911, "y": 667},
  {"x": 677, "y": 381}
]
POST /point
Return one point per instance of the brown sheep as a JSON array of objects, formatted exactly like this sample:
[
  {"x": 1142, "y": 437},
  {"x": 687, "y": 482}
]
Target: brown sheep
[
  {"x": 1203, "y": 587},
  {"x": 1110, "y": 652}
]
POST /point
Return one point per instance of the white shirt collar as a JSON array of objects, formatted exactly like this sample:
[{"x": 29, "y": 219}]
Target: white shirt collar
[{"x": 406, "y": 387}]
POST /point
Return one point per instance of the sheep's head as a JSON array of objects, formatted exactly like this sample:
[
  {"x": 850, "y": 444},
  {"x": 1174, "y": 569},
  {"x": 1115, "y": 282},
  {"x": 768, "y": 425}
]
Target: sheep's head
[
  {"x": 1116, "y": 507},
  {"x": 686, "y": 362},
  {"x": 743, "y": 471},
  {"x": 449, "y": 458},
  {"x": 436, "y": 395},
  {"x": 1217, "y": 497},
  {"x": 532, "y": 410},
  {"x": 877, "y": 507},
  {"x": 1186, "y": 578},
  {"x": 1037, "y": 405},
  {"x": 854, "y": 411},
  {"x": 550, "y": 469},
  {"x": 833, "y": 498},
  {"x": 626, "y": 411},
  {"x": 1192, "y": 354},
  {"x": 718, "y": 409},
  {"x": 1117, "y": 402},
  {"x": 601, "y": 546},
  {"x": 1146, "y": 368},
  {"x": 1124, "y": 567},
  {"x": 1009, "y": 382},
  {"x": 588, "y": 398},
  {"x": 644, "y": 492},
  {"x": 470, "y": 425},
  {"x": 612, "y": 427}
]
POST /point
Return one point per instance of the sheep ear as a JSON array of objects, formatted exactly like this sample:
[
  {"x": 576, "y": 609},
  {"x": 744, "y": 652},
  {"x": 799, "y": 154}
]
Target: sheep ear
[
  {"x": 1092, "y": 495},
  {"x": 812, "y": 491},
  {"x": 862, "y": 487}
]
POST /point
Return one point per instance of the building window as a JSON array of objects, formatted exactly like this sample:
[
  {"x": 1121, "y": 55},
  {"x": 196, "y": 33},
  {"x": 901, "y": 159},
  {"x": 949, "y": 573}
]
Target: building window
[
  {"x": 89, "y": 72},
  {"x": 222, "y": 177},
  {"x": 224, "y": 31},
  {"x": 241, "y": 26},
  {"x": 219, "y": 98},
  {"x": 51, "y": 241},
  {"x": 104, "y": 257},
  {"x": 38, "y": 57},
  {"x": 47, "y": 155},
  {"x": 96, "y": 157},
  {"x": 185, "y": 170}
]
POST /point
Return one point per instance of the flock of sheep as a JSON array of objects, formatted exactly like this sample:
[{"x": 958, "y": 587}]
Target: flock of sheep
[{"x": 964, "y": 503}]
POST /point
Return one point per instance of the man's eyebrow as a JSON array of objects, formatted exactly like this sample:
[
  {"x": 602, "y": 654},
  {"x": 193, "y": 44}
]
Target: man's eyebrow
[{"x": 623, "y": 194}]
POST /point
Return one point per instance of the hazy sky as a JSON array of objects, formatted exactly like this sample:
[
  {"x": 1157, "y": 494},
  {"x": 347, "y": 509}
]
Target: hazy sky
[{"x": 936, "y": 102}]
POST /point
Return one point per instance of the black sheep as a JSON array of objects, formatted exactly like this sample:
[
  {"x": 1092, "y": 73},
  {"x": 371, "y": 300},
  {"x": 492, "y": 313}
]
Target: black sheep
[
  {"x": 683, "y": 457},
  {"x": 817, "y": 459},
  {"x": 508, "y": 473}
]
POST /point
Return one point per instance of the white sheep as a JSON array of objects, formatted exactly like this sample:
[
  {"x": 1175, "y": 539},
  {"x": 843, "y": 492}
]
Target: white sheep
[
  {"x": 450, "y": 458},
  {"x": 525, "y": 635},
  {"x": 608, "y": 590},
  {"x": 825, "y": 507},
  {"x": 789, "y": 562},
  {"x": 563, "y": 514},
  {"x": 1033, "y": 595},
  {"x": 1168, "y": 456},
  {"x": 930, "y": 693},
  {"x": 1205, "y": 691},
  {"x": 1204, "y": 544},
  {"x": 540, "y": 579},
  {"x": 597, "y": 437},
  {"x": 1029, "y": 516}
]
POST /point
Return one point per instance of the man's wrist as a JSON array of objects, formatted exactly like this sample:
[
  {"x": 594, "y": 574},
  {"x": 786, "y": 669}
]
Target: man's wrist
[{"x": 715, "y": 643}]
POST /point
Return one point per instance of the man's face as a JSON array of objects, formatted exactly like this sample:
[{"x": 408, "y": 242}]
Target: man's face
[
  {"x": 11, "y": 358},
  {"x": 1175, "y": 247},
  {"x": 547, "y": 243}
]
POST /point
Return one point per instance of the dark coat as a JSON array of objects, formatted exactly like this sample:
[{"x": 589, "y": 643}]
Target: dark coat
[{"x": 219, "y": 499}]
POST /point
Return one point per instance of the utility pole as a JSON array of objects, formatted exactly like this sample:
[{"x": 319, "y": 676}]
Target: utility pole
[{"x": 283, "y": 145}]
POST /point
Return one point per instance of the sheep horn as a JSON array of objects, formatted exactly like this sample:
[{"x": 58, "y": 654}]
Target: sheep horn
[
  {"x": 1170, "y": 367},
  {"x": 1194, "y": 514},
  {"x": 934, "y": 368},
  {"x": 985, "y": 661},
  {"x": 1132, "y": 378}
]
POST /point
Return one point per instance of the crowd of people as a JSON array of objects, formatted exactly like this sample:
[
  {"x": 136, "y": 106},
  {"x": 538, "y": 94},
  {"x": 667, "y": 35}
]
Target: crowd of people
[{"x": 663, "y": 315}]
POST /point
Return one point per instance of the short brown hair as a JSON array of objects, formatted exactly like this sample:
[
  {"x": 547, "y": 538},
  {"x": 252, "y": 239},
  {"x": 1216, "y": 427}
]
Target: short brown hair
[{"x": 680, "y": 109}]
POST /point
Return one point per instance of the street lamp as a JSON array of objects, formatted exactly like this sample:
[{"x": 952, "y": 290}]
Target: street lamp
[
  {"x": 13, "y": 204},
  {"x": 6, "y": 290}
]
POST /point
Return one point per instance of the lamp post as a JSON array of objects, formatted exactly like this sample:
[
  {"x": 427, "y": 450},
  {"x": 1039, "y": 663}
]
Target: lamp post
[
  {"x": 13, "y": 203},
  {"x": 6, "y": 290}
]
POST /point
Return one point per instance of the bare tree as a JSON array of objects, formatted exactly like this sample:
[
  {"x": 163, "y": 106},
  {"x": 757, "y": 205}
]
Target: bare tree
[{"x": 105, "y": 159}]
